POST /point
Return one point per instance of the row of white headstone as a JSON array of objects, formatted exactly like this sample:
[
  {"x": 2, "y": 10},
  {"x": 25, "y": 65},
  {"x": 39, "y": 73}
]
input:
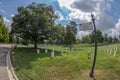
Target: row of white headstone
[
  {"x": 89, "y": 53},
  {"x": 52, "y": 53},
  {"x": 110, "y": 51}
]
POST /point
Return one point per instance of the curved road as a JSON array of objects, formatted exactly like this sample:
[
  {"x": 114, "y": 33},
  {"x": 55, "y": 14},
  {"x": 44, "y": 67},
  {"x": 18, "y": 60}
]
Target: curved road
[{"x": 3, "y": 66}]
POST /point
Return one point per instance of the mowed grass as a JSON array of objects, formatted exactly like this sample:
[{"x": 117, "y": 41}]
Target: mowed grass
[{"x": 70, "y": 66}]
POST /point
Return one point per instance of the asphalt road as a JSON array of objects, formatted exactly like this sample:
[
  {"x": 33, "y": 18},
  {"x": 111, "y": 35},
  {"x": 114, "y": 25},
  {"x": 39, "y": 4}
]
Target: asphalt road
[{"x": 3, "y": 67}]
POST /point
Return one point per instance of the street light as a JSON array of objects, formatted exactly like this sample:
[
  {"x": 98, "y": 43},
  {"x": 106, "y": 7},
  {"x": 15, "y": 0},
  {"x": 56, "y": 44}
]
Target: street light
[{"x": 95, "y": 52}]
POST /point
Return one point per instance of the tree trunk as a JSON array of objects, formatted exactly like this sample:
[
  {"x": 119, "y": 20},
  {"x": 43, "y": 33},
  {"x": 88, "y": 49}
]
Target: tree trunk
[
  {"x": 35, "y": 42},
  {"x": 35, "y": 45},
  {"x": 70, "y": 46}
]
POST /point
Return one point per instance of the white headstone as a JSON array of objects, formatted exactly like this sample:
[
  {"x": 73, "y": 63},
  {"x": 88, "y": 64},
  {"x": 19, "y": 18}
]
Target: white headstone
[
  {"x": 73, "y": 50},
  {"x": 66, "y": 49},
  {"x": 61, "y": 52},
  {"x": 38, "y": 51},
  {"x": 89, "y": 54},
  {"x": 107, "y": 50},
  {"x": 111, "y": 51},
  {"x": 58, "y": 50},
  {"x": 46, "y": 51},
  {"x": 52, "y": 54},
  {"x": 115, "y": 51}
]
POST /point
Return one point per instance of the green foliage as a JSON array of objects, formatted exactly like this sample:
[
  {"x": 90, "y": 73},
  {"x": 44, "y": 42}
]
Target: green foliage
[
  {"x": 71, "y": 31},
  {"x": 33, "y": 22},
  {"x": 110, "y": 39},
  {"x": 100, "y": 38},
  {"x": 58, "y": 34},
  {"x": 90, "y": 37},
  {"x": 4, "y": 32}
]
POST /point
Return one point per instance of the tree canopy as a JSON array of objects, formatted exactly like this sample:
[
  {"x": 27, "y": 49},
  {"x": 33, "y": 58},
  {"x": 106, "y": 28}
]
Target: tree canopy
[
  {"x": 71, "y": 31},
  {"x": 4, "y": 32},
  {"x": 33, "y": 22}
]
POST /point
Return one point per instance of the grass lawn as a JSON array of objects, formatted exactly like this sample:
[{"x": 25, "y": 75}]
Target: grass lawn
[{"x": 70, "y": 66}]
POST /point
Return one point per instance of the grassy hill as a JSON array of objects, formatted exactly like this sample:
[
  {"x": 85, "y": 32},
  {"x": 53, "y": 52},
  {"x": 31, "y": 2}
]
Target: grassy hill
[{"x": 73, "y": 65}]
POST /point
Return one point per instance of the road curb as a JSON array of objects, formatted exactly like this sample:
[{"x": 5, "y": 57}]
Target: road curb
[{"x": 10, "y": 69}]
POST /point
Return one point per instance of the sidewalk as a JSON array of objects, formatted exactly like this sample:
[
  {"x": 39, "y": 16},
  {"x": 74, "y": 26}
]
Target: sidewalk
[
  {"x": 6, "y": 69},
  {"x": 3, "y": 67}
]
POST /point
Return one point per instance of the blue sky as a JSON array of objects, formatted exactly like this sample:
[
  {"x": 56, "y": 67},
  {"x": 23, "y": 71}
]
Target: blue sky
[{"x": 107, "y": 12}]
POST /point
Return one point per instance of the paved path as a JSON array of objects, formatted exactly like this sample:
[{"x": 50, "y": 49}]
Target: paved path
[{"x": 3, "y": 67}]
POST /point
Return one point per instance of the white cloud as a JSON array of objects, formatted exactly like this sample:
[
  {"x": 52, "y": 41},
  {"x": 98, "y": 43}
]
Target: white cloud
[
  {"x": 81, "y": 11},
  {"x": 60, "y": 17},
  {"x": 82, "y": 33},
  {"x": 99, "y": 9},
  {"x": 85, "y": 5},
  {"x": 3, "y": 11},
  {"x": 65, "y": 3},
  {"x": 114, "y": 31},
  {"x": 7, "y": 22},
  {"x": 12, "y": 15}
]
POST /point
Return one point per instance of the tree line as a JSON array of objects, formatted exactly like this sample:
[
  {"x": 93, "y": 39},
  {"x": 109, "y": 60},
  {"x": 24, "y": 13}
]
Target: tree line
[
  {"x": 101, "y": 38},
  {"x": 36, "y": 24}
]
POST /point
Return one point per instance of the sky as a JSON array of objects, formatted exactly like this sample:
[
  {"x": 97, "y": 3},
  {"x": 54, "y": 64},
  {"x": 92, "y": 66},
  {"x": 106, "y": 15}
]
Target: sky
[{"x": 106, "y": 12}]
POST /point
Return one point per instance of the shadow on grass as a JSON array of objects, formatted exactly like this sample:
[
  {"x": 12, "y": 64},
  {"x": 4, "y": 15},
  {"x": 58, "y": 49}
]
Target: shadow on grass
[{"x": 24, "y": 56}]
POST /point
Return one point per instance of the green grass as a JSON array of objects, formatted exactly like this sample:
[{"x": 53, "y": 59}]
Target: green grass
[{"x": 70, "y": 66}]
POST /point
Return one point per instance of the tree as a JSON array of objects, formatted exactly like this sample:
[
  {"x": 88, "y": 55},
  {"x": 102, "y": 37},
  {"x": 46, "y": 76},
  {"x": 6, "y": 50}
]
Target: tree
[
  {"x": 85, "y": 39},
  {"x": 71, "y": 31},
  {"x": 115, "y": 40},
  {"x": 105, "y": 37},
  {"x": 110, "y": 39},
  {"x": 90, "y": 37},
  {"x": 58, "y": 34},
  {"x": 4, "y": 32},
  {"x": 99, "y": 37},
  {"x": 33, "y": 22}
]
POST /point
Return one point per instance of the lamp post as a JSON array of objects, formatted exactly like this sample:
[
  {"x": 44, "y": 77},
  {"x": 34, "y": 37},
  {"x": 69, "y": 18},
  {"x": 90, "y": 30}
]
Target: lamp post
[{"x": 95, "y": 52}]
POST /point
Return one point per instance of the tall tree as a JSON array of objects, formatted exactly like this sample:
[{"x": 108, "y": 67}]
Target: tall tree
[
  {"x": 58, "y": 33},
  {"x": 110, "y": 39},
  {"x": 4, "y": 32},
  {"x": 33, "y": 22},
  {"x": 71, "y": 31},
  {"x": 90, "y": 37},
  {"x": 99, "y": 37},
  {"x": 105, "y": 37}
]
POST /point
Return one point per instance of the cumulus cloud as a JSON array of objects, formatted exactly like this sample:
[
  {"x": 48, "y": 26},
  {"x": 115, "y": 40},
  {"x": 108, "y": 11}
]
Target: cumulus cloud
[
  {"x": 81, "y": 11},
  {"x": 116, "y": 30},
  {"x": 7, "y": 22},
  {"x": 12, "y": 15},
  {"x": 80, "y": 34},
  {"x": 60, "y": 17},
  {"x": 99, "y": 8},
  {"x": 85, "y": 5},
  {"x": 105, "y": 22},
  {"x": 65, "y": 3}
]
